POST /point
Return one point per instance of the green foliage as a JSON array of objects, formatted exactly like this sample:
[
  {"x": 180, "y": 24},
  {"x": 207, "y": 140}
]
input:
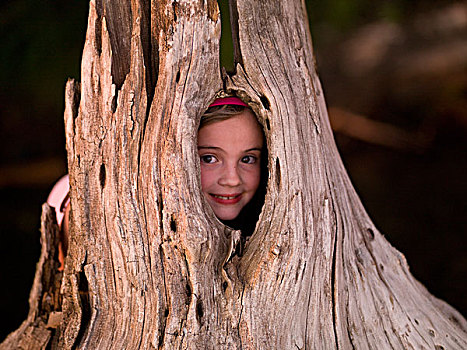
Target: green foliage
[{"x": 226, "y": 49}]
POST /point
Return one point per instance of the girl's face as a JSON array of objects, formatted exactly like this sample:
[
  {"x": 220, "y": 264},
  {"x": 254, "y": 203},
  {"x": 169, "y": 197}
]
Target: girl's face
[{"x": 230, "y": 152}]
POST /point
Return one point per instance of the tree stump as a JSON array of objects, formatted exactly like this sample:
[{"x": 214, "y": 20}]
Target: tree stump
[{"x": 150, "y": 266}]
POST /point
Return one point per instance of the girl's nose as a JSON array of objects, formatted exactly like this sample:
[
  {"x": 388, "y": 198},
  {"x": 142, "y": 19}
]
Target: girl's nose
[{"x": 230, "y": 177}]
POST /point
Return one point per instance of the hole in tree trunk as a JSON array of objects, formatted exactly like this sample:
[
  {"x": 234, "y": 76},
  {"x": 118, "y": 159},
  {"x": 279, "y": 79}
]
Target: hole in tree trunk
[
  {"x": 245, "y": 217},
  {"x": 371, "y": 234},
  {"x": 265, "y": 102},
  {"x": 102, "y": 175},
  {"x": 199, "y": 311},
  {"x": 188, "y": 290},
  {"x": 268, "y": 124},
  {"x": 173, "y": 224}
]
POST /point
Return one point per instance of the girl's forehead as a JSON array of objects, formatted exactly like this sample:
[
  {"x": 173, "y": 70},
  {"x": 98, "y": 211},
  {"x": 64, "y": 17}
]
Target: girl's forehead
[
  {"x": 242, "y": 128},
  {"x": 246, "y": 117}
]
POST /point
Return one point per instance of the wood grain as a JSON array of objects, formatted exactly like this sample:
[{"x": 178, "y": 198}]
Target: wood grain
[{"x": 149, "y": 264}]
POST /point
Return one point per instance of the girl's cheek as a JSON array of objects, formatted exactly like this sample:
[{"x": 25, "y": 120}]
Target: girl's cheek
[
  {"x": 207, "y": 175},
  {"x": 258, "y": 176}
]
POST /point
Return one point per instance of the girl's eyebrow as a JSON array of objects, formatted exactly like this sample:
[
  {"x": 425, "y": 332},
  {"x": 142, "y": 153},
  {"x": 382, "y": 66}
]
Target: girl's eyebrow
[
  {"x": 210, "y": 147},
  {"x": 253, "y": 149},
  {"x": 219, "y": 148}
]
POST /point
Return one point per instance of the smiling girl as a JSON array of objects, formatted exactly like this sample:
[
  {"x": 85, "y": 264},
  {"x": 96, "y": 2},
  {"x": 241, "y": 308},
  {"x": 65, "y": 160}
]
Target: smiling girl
[{"x": 230, "y": 147}]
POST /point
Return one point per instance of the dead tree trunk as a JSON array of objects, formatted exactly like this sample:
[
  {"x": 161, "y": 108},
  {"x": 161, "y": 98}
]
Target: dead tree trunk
[{"x": 150, "y": 266}]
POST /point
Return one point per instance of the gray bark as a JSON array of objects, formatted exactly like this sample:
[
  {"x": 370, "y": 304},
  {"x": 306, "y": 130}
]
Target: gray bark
[{"x": 150, "y": 266}]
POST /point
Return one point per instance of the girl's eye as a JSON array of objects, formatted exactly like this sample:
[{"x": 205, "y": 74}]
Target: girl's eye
[
  {"x": 249, "y": 159},
  {"x": 208, "y": 159}
]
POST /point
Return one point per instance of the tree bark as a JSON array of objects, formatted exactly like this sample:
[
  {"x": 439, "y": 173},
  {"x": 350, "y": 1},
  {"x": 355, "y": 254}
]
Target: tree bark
[
  {"x": 150, "y": 266},
  {"x": 44, "y": 299}
]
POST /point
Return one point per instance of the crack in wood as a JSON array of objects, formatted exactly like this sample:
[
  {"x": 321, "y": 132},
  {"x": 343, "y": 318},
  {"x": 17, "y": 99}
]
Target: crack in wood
[
  {"x": 175, "y": 7},
  {"x": 102, "y": 176},
  {"x": 238, "y": 59},
  {"x": 98, "y": 27},
  {"x": 150, "y": 51},
  {"x": 278, "y": 174},
  {"x": 174, "y": 281},
  {"x": 130, "y": 114},
  {"x": 199, "y": 311},
  {"x": 334, "y": 276},
  {"x": 119, "y": 23},
  {"x": 173, "y": 223},
  {"x": 163, "y": 320},
  {"x": 85, "y": 305},
  {"x": 241, "y": 315},
  {"x": 268, "y": 124},
  {"x": 265, "y": 102}
]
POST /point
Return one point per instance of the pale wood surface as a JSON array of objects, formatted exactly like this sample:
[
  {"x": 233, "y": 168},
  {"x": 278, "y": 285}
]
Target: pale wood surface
[{"x": 150, "y": 266}]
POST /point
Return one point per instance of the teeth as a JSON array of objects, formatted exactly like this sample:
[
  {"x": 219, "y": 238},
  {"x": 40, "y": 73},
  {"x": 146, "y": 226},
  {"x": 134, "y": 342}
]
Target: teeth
[{"x": 223, "y": 197}]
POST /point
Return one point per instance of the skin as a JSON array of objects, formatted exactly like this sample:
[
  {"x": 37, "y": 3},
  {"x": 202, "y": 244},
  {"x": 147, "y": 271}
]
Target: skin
[{"x": 230, "y": 154}]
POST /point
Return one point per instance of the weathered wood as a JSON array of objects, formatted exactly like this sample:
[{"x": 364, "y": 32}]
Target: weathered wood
[
  {"x": 44, "y": 299},
  {"x": 149, "y": 265},
  {"x": 317, "y": 266},
  {"x": 138, "y": 238}
]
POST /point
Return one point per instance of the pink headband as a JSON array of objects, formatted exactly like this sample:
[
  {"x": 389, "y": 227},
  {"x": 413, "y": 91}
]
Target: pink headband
[{"x": 228, "y": 101}]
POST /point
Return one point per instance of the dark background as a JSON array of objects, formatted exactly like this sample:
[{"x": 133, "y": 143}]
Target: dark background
[{"x": 397, "y": 64}]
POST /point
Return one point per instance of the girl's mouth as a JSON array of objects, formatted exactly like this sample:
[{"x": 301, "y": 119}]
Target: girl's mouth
[{"x": 226, "y": 198}]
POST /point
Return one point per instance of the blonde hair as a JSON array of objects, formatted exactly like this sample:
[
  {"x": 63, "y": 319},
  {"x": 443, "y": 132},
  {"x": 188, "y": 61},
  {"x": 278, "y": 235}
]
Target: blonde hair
[{"x": 220, "y": 113}]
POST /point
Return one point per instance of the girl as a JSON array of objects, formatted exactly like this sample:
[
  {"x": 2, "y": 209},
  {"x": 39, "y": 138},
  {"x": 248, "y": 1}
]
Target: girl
[
  {"x": 233, "y": 169},
  {"x": 230, "y": 148}
]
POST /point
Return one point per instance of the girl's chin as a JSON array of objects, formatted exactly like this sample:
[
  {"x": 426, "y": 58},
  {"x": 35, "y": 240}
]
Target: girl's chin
[
  {"x": 227, "y": 214},
  {"x": 226, "y": 217}
]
